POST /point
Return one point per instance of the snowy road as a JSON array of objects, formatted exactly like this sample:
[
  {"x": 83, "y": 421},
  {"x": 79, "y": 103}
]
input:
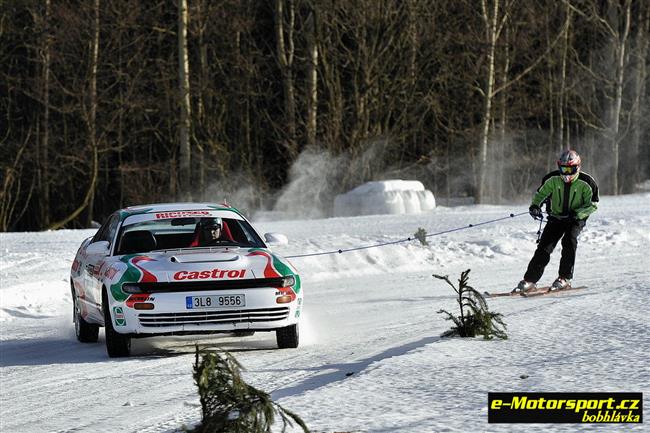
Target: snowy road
[{"x": 371, "y": 359}]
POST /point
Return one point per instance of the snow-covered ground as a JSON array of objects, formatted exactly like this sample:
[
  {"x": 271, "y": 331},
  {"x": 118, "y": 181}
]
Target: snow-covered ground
[{"x": 370, "y": 359}]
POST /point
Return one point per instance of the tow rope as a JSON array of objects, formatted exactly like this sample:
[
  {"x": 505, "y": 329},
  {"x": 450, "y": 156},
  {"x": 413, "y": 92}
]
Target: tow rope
[{"x": 408, "y": 239}]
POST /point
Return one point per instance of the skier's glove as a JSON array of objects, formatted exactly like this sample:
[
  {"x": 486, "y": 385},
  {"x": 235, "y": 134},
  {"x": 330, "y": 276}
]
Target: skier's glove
[
  {"x": 574, "y": 218},
  {"x": 535, "y": 211}
]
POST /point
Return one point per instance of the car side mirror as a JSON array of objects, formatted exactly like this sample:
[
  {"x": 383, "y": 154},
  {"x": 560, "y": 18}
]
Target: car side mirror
[
  {"x": 98, "y": 248},
  {"x": 276, "y": 239}
]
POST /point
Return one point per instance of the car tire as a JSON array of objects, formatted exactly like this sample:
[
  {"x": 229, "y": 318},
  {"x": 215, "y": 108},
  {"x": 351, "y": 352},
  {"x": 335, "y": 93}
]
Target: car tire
[
  {"x": 287, "y": 337},
  {"x": 85, "y": 332},
  {"x": 117, "y": 345}
]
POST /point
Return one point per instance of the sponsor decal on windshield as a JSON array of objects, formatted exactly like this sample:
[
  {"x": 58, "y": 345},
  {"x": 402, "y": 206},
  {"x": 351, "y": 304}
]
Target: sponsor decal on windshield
[
  {"x": 181, "y": 214},
  {"x": 212, "y": 274}
]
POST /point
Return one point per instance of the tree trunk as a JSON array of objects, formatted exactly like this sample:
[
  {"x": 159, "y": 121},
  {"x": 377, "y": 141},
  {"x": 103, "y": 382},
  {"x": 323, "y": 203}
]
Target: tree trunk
[
  {"x": 92, "y": 114},
  {"x": 550, "y": 151},
  {"x": 621, "y": 42},
  {"x": 562, "y": 139},
  {"x": 285, "y": 52},
  {"x": 637, "y": 169},
  {"x": 312, "y": 79},
  {"x": 45, "y": 137},
  {"x": 491, "y": 37},
  {"x": 120, "y": 123},
  {"x": 201, "y": 109},
  {"x": 184, "y": 93},
  {"x": 413, "y": 15},
  {"x": 501, "y": 148},
  {"x": 11, "y": 188}
]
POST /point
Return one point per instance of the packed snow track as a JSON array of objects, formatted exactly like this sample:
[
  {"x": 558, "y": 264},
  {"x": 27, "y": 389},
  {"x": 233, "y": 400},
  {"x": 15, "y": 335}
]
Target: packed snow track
[{"x": 370, "y": 359}]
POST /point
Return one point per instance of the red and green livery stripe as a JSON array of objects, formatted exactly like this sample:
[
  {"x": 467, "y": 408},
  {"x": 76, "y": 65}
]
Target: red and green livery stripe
[
  {"x": 132, "y": 274},
  {"x": 275, "y": 267}
]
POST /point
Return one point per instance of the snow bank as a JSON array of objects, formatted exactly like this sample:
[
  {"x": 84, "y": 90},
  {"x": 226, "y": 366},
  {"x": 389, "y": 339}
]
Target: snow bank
[{"x": 395, "y": 197}]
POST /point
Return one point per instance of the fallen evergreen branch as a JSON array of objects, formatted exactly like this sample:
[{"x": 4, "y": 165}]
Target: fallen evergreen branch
[
  {"x": 475, "y": 317},
  {"x": 230, "y": 405},
  {"x": 421, "y": 235}
]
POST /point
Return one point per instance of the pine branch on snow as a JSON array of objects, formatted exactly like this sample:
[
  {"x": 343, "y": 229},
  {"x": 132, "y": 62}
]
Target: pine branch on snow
[
  {"x": 475, "y": 317},
  {"x": 421, "y": 235},
  {"x": 229, "y": 404}
]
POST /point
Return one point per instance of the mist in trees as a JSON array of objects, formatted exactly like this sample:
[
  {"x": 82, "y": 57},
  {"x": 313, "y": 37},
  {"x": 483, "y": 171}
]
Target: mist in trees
[{"x": 109, "y": 104}]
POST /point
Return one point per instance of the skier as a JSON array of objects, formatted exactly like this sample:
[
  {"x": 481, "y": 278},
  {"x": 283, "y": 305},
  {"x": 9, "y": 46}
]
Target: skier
[{"x": 570, "y": 196}]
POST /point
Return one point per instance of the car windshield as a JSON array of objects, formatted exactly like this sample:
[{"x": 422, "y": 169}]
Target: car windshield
[{"x": 176, "y": 233}]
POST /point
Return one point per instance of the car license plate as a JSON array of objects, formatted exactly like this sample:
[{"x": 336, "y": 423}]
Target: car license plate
[{"x": 215, "y": 301}]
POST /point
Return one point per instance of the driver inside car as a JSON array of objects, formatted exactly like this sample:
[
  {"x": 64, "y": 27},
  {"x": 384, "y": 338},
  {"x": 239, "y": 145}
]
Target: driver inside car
[{"x": 210, "y": 233}]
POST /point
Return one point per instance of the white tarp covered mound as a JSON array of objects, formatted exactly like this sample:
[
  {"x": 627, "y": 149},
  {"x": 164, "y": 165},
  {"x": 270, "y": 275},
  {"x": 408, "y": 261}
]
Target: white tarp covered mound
[{"x": 385, "y": 197}]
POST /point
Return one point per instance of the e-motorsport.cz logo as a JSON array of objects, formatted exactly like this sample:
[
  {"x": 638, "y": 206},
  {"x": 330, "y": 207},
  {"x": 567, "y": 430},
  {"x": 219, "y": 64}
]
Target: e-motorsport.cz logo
[{"x": 553, "y": 407}]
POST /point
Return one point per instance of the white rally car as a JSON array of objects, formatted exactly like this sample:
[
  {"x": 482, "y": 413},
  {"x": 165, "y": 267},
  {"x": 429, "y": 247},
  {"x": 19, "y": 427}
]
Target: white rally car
[{"x": 182, "y": 268}]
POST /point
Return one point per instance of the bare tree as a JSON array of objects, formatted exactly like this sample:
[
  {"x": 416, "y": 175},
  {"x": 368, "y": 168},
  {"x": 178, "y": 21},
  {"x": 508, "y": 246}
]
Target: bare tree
[
  {"x": 404, "y": 89},
  {"x": 562, "y": 130},
  {"x": 614, "y": 22},
  {"x": 11, "y": 187},
  {"x": 184, "y": 99},
  {"x": 312, "y": 78},
  {"x": 90, "y": 117},
  {"x": 285, "y": 19},
  {"x": 620, "y": 38},
  {"x": 44, "y": 181},
  {"x": 201, "y": 23},
  {"x": 494, "y": 20},
  {"x": 636, "y": 169}
]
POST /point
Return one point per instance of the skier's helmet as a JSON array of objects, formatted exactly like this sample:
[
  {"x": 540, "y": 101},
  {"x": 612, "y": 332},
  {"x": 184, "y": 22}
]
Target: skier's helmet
[{"x": 569, "y": 165}]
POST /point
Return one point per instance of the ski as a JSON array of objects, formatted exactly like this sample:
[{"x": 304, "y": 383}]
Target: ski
[
  {"x": 537, "y": 291},
  {"x": 514, "y": 292},
  {"x": 552, "y": 292}
]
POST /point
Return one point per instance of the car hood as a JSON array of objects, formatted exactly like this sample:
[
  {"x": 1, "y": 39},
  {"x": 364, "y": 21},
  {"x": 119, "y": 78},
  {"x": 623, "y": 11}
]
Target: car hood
[
  {"x": 195, "y": 265},
  {"x": 223, "y": 264}
]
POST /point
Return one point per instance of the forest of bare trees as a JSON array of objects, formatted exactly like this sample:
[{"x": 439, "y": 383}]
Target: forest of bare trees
[{"x": 106, "y": 104}]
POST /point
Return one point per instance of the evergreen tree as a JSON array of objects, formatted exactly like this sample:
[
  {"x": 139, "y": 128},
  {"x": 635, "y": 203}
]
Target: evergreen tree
[{"x": 475, "y": 317}]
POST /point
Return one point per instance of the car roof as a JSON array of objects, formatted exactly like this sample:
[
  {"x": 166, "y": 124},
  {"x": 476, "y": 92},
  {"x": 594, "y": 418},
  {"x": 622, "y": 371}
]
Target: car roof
[
  {"x": 166, "y": 207},
  {"x": 173, "y": 207}
]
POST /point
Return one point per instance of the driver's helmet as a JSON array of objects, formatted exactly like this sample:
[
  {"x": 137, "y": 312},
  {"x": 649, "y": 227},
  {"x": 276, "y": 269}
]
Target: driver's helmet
[
  {"x": 210, "y": 228},
  {"x": 569, "y": 165}
]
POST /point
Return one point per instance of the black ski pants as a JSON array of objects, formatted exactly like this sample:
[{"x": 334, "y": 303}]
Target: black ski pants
[{"x": 566, "y": 229}]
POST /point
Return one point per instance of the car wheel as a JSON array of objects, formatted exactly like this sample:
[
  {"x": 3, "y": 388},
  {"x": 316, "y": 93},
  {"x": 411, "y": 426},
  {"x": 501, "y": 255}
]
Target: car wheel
[
  {"x": 86, "y": 332},
  {"x": 287, "y": 337},
  {"x": 117, "y": 345}
]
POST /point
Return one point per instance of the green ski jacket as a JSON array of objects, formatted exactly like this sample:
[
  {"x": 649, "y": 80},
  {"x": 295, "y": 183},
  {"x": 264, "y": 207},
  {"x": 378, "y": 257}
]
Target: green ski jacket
[{"x": 578, "y": 198}]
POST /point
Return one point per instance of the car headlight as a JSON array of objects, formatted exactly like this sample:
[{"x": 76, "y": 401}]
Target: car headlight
[
  {"x": 131, "y": 288},
  {"x": 288, "y": 281}
]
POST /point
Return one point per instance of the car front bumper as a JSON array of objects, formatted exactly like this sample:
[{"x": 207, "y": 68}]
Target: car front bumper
[{"x": 170, "y": 314}]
